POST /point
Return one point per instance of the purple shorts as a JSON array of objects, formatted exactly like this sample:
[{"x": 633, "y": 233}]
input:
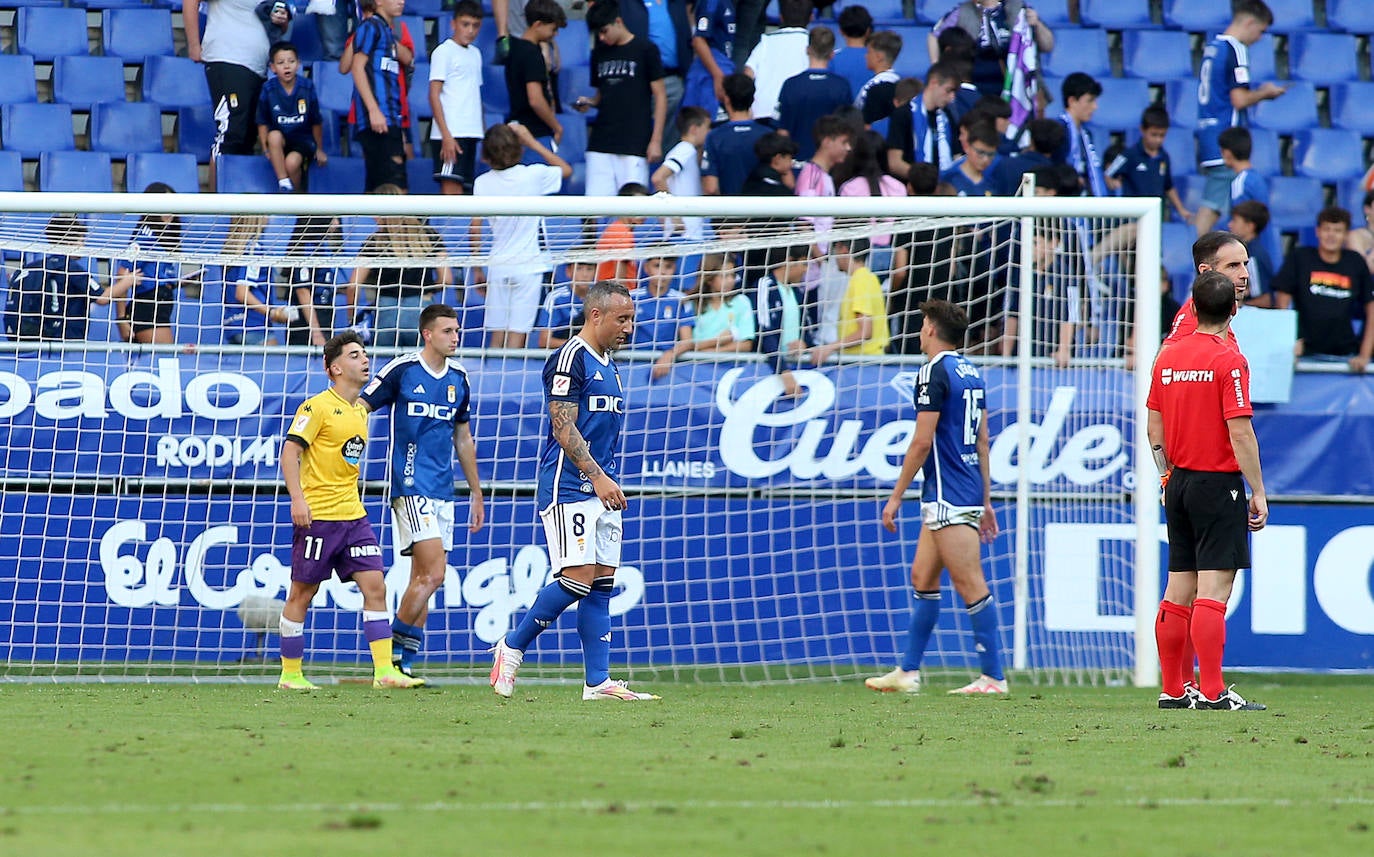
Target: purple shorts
[{"x": 334, "y": 547}]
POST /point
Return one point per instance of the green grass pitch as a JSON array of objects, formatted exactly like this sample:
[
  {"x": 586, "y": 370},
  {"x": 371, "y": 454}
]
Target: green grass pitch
[{"x": 712, "y": 769}]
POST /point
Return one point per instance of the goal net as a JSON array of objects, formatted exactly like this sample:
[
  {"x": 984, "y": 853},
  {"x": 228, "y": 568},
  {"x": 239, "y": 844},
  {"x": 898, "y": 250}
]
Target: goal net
[{"x": 156, "y": 345}]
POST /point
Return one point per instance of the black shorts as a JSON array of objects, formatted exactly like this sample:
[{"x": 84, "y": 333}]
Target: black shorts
[
  {"x": 1208, "y": 517},
  {"x": 463, "y": 171},
  {"x": 152, "y": 308},
  {"x": 304, "y": 146},
  {"x": 234, "y": 89},
  {"x": 384, "y": 158}
]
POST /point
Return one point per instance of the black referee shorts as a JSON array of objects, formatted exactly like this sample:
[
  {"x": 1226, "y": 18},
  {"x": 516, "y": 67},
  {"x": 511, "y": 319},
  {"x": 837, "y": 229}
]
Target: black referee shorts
[{"x": 1208, "y": 518}]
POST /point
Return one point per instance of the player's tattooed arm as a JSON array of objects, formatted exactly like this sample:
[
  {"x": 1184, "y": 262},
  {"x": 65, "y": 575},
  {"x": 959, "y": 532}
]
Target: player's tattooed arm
[{"x": 564, "y": 417}]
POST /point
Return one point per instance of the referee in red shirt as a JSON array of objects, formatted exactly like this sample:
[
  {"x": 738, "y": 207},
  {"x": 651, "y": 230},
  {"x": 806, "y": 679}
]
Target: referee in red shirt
[{"x": 1199, "y": 427}]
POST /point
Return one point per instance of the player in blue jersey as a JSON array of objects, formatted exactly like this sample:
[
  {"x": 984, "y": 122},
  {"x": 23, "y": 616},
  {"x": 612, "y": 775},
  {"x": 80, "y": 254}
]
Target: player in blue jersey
[
  {"x": 713, "y": 43},
  {"x": 1223, "y": 97},
  {"x": 951, "y": 444},
  {"x": 580, "y": 503},
  {"x": 430, "y": 398}
]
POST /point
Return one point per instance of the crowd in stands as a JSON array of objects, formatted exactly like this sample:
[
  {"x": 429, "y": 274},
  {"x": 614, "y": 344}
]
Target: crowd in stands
[{"x": 1163, "y": 100}]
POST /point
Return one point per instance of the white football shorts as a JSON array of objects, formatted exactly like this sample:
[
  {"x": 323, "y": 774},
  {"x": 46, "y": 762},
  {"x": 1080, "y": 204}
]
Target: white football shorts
[
  {"x": 512, "y": 301},
  {"x": 937, "y": 515},
  {"x": 583, "y": 533},
  {"x": 417, "y": 519}
]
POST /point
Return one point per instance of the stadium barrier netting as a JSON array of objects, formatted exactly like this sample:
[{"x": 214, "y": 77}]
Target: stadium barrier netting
[{"x": 146, "y": 527}]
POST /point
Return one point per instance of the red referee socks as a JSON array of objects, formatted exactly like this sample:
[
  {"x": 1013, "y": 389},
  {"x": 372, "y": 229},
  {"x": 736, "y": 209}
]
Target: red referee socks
[
  {"x": 1209, "y": 638},
  {"x": 1171, "y": 638}
]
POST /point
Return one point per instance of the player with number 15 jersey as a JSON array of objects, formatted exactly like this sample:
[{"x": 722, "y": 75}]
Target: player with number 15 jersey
[{"x": 952, "y": 387}]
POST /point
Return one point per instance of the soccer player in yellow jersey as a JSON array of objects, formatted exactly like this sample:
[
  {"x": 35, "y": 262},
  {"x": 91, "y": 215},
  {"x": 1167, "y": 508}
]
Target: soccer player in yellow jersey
[{"x": 332, "y": 535}]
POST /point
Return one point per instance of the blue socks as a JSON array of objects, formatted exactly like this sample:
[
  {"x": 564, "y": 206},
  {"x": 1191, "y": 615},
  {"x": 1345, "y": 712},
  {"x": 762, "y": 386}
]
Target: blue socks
[
  {"x": 924, "y": 614},
  {"x": 548, "y": 606},
  {"x": 594, "y": 628},
  {"x": 406, "y": 641},
  {"x": 983, "y": 615}
]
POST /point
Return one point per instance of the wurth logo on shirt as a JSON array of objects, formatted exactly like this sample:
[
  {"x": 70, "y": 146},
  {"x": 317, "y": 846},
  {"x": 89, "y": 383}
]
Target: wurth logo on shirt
[
  {"x": 1238, "y": 388},
  {"x": 1185, "y": 376}
]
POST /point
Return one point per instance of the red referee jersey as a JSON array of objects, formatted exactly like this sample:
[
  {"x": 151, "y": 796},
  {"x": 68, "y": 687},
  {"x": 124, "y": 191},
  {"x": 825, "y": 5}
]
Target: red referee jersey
[
  {"x": 1185, "y": 324},
  {"x": 1199, "y": 381}
]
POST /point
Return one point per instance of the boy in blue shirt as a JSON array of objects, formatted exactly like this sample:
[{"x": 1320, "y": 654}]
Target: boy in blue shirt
[
  {"x": 290, "y": 129},
  {"x": 1247, "y": 183},
  {"x": 49, "y": 298},
  {"x": 1144, "y": 169},
  {"x": 377, "y": 96},
  {"x": 972, "y": 175},
  {"x": 713, "y": 43}
]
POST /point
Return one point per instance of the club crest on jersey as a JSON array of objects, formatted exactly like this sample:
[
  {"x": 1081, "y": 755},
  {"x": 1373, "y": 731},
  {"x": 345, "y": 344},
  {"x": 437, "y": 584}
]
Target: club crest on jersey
[
  {"x": 300, "y": 106},
  {"x": 452, "y": 394}
]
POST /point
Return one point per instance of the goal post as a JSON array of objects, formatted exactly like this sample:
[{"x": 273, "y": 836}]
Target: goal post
[{"x": 145, "y": 532}]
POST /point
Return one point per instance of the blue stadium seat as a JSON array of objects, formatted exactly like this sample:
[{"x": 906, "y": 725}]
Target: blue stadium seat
[
  {"x": 576, "y": 184},
  {"x": 1328, "y": 154},
  {"x": 340, "y": 175},
  {"x": 99, "y": 5},
  {"x": 1121, "y": 103},
  {"x": 136, "y": 34},
  {"x": 572, "y": 82},
  {"x": 1350, "y": 196},
  {"x": 1182, "y": 148},
  {"x": 1180, "y": 97},
  {"x": 196, "y": 131},
  {"x": 420, "y": 176},
  {"x": 32, "y": 129},
  {"x": 1350, "y": 107},
  {"x": 574, "y": 46},
  {"x": 1178, "y": 248},
  {"x": 1294, "y": 202},
  {"x": 1190, "y": 190},
  {"x": 305, "y": 35},
  {"x": 1265, "y": 154},
  {"x": 75, "y": 172},
  {"x": 174, "y": 82},
  {"x": 914, "y": 60},
  {"x": 44, "y": 32},
  {"x": 1296, "y": 110},
  {"x": 428, "y": 9},
  {"x": 333, "y": 139},
  {"x": 1114, "y": 14},
  {"x": 573, "y": 147},
  {"x": 1055, "y": 13},
  {"x": 335, "y": 90},
  {"x": 83, "y": 81},
  {"x": 1323, "y": 58},
  {"x": 1198, "y": 17},
  {"x": 932, "y": 10},
  {"x": 417, "y": 27},
  {"x": 244, "y": 174},
  {"x": 418, "y": 95},
  {"x": 17, "y": 80},
  {"x": 1077, "y": 49},
  {"x": 11, "y": 171},
  {"x": 1350, "y": 16},
  {"x": 1157, "y": 55},
  {"x": 121, "y": 128},
  {"x": 1292, "y": 16},
  {"x": 175, "y": 168},
  {"x": 1260, "y": 56},
  {"x": 486, "y": 40}
]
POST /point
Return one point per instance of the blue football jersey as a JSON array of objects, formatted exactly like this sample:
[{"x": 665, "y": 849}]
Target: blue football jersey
[
  {"x": 715, "y": 22},
  {"x": 951, "y": 386},
  {"x": 574, "y": 373},
  {"x": 659, "y": 317},
  {"x": 292, "y": 113},
  {"x": 153, "y": 274},
  {"x": 1225, "y": 66},
  {"x": 238, "y": 318},
  {"x": 426, "y": 407}
]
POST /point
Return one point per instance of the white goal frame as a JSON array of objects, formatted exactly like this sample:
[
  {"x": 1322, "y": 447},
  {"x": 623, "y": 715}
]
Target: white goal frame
[{"x": 1145, "y": 213}]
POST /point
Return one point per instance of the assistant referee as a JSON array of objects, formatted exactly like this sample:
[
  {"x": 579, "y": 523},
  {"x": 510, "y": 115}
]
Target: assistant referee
[{"x": 1200, "y": 429}]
